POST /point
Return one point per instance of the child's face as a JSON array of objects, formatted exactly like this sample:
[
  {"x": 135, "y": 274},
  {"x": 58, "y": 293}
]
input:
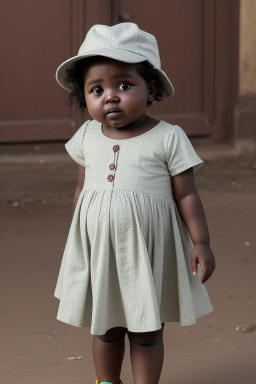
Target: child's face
[{"x": 116, "y": 95}]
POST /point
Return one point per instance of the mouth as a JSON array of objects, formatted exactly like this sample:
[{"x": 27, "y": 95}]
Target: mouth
[{"x": 113, "y": 112}]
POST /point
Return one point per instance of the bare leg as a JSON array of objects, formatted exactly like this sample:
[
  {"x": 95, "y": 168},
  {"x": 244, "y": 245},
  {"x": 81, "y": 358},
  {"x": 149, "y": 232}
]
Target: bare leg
[
  {"x": 108, "y": 354},
  {"x": 147, "y": 355}
]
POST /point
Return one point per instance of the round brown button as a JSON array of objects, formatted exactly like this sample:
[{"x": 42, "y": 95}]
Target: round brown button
[
  {"x": 110, "y": 177},
  {"x": 116, "y": 148},
  {"x": 112, "y": 166}
]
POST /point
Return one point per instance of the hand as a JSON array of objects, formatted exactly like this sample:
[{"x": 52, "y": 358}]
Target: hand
[{"x": 202, "y": 254}]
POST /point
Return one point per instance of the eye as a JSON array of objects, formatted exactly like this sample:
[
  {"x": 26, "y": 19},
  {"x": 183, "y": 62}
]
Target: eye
[
  {"x": 124, "y": 86},
  {"x": 97, "y": 90}
]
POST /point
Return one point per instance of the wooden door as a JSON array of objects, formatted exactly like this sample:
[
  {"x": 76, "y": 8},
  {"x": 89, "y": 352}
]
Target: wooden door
[
  {"x": 198, "y": 42},
  {"x": 36, "y": 36}
]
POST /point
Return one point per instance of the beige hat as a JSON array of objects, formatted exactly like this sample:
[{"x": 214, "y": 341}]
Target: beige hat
[{"x": 123, "y": 42}]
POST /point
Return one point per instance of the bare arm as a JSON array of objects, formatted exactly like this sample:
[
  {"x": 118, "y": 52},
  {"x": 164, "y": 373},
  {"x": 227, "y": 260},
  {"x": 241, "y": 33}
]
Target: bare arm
[
  {"x": 192, "y": 213},
  {"x": 79, "y": 187}
]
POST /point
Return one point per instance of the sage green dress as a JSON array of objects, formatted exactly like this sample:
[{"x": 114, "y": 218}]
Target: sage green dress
[{"x": 127, "y": 259}]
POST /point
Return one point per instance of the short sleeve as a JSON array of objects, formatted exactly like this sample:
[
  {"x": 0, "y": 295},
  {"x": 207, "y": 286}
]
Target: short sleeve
[
  {"x": 181, "y": 154},
  {"x": 75, "y": 146}
]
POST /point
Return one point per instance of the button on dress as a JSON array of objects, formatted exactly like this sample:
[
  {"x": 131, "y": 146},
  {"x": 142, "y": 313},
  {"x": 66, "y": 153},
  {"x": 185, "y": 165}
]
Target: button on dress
[{"x": 127, "y": 258}]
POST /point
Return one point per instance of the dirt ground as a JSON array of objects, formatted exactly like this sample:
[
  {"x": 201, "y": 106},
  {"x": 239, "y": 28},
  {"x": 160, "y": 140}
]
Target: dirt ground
[{"x": 37, "y": 189}]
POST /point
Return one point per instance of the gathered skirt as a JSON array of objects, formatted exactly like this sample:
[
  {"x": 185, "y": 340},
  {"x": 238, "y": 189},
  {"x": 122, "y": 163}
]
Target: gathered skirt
[{"x": 127, "y": 263}]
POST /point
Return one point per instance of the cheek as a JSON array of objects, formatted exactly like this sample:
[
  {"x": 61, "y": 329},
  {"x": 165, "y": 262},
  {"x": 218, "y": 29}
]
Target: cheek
[
  {"x": 136, "y": 101},
  {"x": 92, "y": 104},
  {"x": 138, "y": 105},
  {"x": 93, "y": 111}
]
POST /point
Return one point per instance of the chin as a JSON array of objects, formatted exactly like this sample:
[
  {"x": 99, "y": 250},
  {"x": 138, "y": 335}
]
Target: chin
[{"x": 114, "y": 124}]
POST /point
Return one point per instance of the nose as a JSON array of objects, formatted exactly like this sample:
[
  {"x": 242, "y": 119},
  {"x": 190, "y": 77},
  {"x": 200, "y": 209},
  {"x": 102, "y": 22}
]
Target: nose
[{"x": 111, "y": 98}]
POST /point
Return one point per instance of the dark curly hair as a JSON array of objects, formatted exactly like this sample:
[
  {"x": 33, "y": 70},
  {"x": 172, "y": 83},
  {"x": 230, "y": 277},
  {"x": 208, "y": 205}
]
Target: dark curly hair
[{"x": 74, "y": 79}]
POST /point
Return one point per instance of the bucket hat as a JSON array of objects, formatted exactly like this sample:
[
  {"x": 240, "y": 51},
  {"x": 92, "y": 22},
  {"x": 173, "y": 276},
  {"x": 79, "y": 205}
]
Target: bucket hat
[{"x": 124, "y": 42}]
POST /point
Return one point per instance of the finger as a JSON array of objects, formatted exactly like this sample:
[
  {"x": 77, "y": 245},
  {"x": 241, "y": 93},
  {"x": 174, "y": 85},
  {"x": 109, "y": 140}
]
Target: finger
[
  {"x": 205, "y": 276},
  {"x": 194, "y": 265},
  {"x": 204, "y": 273}
]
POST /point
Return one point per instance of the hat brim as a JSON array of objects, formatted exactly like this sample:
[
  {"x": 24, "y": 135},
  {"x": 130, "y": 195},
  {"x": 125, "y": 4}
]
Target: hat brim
[
  {"x": 112, "y": 53},
  {"x": 168, "y": 89}
]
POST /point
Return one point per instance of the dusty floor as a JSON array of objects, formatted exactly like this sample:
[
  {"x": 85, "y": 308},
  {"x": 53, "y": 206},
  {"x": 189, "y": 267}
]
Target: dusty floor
[{"x": 35, "y": 208}]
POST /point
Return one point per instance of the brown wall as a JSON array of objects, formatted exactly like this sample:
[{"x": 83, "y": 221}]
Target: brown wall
[
  {"x": 247, "y": 62},
  {"x": 245, "y": 113}
]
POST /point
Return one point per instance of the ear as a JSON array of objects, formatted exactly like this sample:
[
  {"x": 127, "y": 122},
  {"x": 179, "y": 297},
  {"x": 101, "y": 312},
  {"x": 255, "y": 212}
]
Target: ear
[{"x": 152, "y": 86}]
